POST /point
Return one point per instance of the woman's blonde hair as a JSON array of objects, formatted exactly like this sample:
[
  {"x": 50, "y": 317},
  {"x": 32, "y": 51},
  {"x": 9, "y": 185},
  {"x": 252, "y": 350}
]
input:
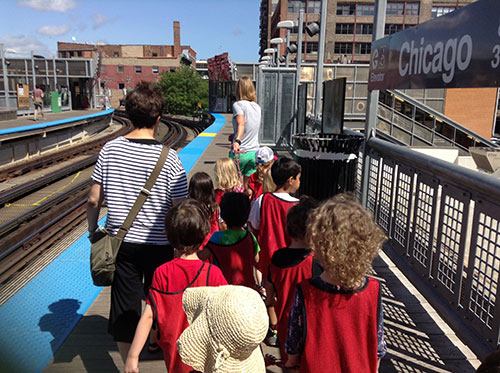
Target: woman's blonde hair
[
  {"x": 262, "y": 169},
  {"x": 345, "y": 239},
  {"x": 245, "y": 90},
  {"x": 226, "y": 174},
  {"x": 268, "y": 185}
]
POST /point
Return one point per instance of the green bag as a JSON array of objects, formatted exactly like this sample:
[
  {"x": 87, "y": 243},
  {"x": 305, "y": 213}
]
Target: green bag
[{"x": 105, "y": 246}]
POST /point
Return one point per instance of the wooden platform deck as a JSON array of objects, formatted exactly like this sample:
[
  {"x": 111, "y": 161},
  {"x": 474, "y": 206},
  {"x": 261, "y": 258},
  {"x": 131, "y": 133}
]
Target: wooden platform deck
[{"x": 417, "y": 339}]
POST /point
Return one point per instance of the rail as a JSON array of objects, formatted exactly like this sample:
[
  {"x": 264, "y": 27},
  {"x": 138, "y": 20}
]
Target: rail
[
  {"x": 443, "y": 224},
  {"x": 410, "y": 122}
]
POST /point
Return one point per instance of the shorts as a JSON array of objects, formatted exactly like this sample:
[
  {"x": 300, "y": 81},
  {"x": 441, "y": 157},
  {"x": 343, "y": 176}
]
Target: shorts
[
  {"x": 38, "y": 102},
  {"x": 133, "y": 262},
  {"x": 247, "y": 162}
]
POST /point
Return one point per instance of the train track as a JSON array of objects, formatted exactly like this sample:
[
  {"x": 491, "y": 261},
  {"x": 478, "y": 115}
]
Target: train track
[{"x": 40, "y": 222}]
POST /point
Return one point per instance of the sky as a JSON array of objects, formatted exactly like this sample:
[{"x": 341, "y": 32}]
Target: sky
[{"x": 210, "y": 27}]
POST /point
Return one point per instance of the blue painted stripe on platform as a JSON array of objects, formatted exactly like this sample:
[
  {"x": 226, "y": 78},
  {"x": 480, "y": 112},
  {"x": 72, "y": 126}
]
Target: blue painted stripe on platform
[
  {"x": 38, "y": 318},
  {"x": 191, "y": 153},
  {"x": 32, "y": 127}
]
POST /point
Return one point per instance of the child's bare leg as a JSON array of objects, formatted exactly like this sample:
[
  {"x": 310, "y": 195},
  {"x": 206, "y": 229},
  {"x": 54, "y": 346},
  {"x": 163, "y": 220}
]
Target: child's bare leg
[{"x": 273, "y": 319}]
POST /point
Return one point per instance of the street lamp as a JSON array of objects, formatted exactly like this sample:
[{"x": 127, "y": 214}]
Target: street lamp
[
  {"x": 277, "y": 41},
  {"x": 288, "y": 25},
  {"x": 271, "y": 51}
]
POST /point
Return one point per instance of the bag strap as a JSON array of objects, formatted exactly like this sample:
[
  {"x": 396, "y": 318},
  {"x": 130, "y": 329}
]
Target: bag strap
[{"x": 143, "y": 195}]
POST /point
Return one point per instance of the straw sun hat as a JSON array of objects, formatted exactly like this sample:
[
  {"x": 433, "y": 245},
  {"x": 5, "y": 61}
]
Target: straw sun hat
[{"x": 227, "y": 324}]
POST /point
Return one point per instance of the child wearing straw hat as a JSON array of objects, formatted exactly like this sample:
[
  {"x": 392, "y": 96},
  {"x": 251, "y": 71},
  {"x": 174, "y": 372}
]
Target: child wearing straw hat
[
  {"x": 226, "y": 326},
  {"x": 336, "y": 319},
  {"x": 186, "y": 225}
]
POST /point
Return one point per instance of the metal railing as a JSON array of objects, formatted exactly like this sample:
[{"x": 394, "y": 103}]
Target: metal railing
[
  {"x": 443, "y": 221},
  {"x": 410, "y": 122}
]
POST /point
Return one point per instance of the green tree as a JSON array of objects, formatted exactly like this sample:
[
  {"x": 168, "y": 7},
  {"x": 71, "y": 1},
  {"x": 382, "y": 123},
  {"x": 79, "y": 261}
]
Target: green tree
[{"x": 183, "y": 90}]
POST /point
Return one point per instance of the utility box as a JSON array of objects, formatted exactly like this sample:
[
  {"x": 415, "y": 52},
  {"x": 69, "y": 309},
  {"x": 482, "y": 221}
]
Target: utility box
[
  {"x": 55, "y": 101},
  {"x": 328, "y": 161}
]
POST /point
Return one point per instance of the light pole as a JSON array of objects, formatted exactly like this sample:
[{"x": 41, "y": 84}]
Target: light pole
[
  {"x": 271, "y": 51},
  {"x": 278, "y": 41},
  {"x": 5, "y": 80},
  {"x": 321, "y": 57},
  {"x": 288, "y": 25}
]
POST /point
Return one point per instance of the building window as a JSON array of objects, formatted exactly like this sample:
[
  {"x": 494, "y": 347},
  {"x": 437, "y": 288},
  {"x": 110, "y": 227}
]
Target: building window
[
  {"x": 156, "y": 69},
  {"x": 79, "y": 53},
  {"x": 314, "y": 6},
  {"x": 116, "y": 54},
  {"x": 395, "y": 9},
  {"x": 342, "y": 48},
  {"x": 344, "y": 28},
  {"x": 155, "y": 54},
  {"x": 294, "y": 6},
  {"x": 412, "y": 9},
  {"x": 172, "y": 69},
  {"x": 121, "y": 85},
  {"x": 119, "y": 69},
  {"x": 311, "y": 47},
  {"x": 103, "y": 69},
  {"x": 392, "y": 28},
  {"x": 70, "y": 54},
  {"x": 345, "y": 9},
  {"x": 362, "y": 48},
  {"x": 138, "y": 69},
  {"x": 366, "y": 9},
  {"x": 63, "y": 54},
  {"x": 438, "y": 11},
  {"x": 364, "y": 28}
]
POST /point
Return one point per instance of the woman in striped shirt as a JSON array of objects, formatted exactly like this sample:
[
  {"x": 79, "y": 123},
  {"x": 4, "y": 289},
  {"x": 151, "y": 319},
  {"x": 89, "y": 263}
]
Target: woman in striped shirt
[{"x": 123, "y": 166}]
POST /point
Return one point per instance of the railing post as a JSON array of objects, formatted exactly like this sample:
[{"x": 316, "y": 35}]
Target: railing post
[{"x": 372, "y": 101}]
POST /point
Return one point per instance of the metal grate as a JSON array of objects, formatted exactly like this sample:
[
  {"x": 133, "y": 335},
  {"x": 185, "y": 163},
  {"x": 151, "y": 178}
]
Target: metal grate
[
  {"x": 450, "y": 233},
  {"x": 485, "y": 269},
  {"x": 423, "y": 223},
  {"x": 404, "y": 191},
  {"x": 372, "y": 185},
  {"x": 385, "y": 203}
]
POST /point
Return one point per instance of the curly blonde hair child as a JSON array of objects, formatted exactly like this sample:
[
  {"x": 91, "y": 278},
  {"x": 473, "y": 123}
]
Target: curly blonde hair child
[
  {"x": 345, "y": 239},
  {"x": 226, "y": 174}
]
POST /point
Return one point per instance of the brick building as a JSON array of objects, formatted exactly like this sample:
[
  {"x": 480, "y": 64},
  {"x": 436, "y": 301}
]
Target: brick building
[
  {"x": 124, "y": 65},
  {"x": 349, "y": 24}
]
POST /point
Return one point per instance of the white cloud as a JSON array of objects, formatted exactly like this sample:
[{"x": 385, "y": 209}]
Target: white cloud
[
  {"x": 99, "y": 20},
  {"x": 23, "y": 45},
  {"x": 54, "y": 30},
  {"x": 61, "y": 6}
]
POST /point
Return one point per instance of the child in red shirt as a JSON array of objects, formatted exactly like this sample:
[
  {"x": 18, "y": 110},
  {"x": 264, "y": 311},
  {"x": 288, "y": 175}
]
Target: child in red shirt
[
  {"x": 264, "y": 158},
  {"x": 289, "y": 266},
  {"x": 201, "y": 188},
  {"x": 235, "y": 250},
  {"x": 268, "y": 214},
  {"x": 227, "y": 178},
  {"x": 186, "y": 227},
  {"x": 336, "y": 319}
]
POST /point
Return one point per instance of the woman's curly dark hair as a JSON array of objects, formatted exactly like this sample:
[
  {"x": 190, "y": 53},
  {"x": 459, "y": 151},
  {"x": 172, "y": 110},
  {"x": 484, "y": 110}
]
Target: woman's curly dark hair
[{"x": 345, "y": 239}]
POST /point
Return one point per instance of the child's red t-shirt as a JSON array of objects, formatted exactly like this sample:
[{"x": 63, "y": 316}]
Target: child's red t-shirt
[
  {"x": 165, "y": 297},
  {"x": 288, "y": 268},
  {"x": 234, "y": 253},
  {"x": 272, "y": 230}
]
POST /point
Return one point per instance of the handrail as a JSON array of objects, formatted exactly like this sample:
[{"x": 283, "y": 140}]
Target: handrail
[
  {"x": 442, "y": 117},
  {"x": 458, "y": 175}
]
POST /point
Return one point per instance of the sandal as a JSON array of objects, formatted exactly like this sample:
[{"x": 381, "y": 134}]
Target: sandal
[{"x": 153, "y": 347}]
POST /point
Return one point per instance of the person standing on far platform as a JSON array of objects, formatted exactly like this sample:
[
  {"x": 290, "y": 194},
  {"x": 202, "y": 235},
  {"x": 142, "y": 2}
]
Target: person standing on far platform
[
  {"x": 123, "y": 166},
  {"x": 246, "y": 124},
  {"x": 37, "y": 95}
]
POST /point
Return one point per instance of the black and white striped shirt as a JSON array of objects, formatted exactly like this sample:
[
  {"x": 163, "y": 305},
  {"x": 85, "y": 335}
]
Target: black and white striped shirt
[{"x": 122, "y": 168}]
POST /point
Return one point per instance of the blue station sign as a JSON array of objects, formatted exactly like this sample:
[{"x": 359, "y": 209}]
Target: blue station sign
[{"x": 458, "y": 50}]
